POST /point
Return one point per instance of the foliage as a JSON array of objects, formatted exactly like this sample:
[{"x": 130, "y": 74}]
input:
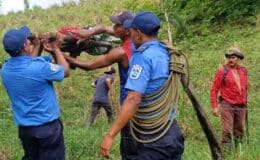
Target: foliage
[
  {"x": 205, "y": 53},
  {"x": 141, "y": 5},
  {"x": 186, "y": 16},
  {"x": 214, "y": 12}
]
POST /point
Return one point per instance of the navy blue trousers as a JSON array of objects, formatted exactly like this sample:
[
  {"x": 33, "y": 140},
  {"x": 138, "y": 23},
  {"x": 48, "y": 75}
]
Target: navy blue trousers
[
  {"x": 169, "y": 147},
  {"x": 44, "y": 142},
  {"x": 128, "y": 146}
]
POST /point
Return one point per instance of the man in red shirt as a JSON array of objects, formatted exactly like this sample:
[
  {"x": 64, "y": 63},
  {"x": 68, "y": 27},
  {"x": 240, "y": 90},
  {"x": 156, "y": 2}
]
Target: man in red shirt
[
  {"x": 231, "y": 82},
  {"x": 120, "y": 55}
]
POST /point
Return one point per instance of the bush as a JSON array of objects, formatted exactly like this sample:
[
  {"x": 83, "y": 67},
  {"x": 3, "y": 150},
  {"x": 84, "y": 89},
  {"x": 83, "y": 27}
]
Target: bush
[{"x": 220, "y": 12}]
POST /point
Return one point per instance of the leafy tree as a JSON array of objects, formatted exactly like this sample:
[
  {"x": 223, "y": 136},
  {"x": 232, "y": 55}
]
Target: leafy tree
[
  {"x": 26, "y": 4},
  {"x": 219, "y": 11}
]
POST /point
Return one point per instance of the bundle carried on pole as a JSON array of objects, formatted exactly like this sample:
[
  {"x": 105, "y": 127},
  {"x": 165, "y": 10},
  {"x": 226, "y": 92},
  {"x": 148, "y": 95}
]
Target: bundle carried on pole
[{"x": 95, "y": 45}]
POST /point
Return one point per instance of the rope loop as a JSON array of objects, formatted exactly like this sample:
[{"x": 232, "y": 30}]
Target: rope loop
[{"x": 156, "y": 117}]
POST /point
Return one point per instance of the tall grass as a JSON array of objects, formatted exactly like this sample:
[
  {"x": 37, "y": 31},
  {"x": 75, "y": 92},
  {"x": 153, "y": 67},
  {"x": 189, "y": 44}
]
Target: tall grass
[{"x": 205, "y": 53}]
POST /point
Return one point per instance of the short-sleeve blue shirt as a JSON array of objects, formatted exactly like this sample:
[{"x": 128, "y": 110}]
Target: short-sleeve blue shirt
[
  {"x": 149, "y": 68},
  {"x": 28, "y": 82}
]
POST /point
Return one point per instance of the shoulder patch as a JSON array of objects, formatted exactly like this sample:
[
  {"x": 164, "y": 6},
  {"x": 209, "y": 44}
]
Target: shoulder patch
[
  {"x": 39, "y": 59},
  {"x": 142, "y": 48},
  {"x": 136, "y": 71},
  {"x": 54, "y": 67}
]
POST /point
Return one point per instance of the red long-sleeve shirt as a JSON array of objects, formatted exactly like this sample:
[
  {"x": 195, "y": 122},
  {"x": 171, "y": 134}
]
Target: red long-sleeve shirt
[{"x": 228, "y": 87}]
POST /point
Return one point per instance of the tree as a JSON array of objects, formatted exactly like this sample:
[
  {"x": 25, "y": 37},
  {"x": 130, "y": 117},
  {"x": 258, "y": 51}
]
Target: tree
[{"x": 26, "y": 4}]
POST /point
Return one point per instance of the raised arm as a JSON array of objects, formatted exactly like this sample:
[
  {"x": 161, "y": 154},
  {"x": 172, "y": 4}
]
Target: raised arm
[
  {"x": 54, "y": 49},
  {"x": 86, "y": 34},
  {"x": 113, "y": 56},
  {"x": 37, "y": 47}
]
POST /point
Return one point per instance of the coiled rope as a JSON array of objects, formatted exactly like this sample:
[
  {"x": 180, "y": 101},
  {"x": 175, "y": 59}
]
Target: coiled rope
[{"x": 156, "y": 116}]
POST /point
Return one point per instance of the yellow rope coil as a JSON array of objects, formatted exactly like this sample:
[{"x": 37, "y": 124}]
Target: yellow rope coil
[{"x": 161, "y": 107}]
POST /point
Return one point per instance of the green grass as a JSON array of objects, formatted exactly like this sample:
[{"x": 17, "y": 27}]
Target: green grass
[{"x": 205, "y": 54}]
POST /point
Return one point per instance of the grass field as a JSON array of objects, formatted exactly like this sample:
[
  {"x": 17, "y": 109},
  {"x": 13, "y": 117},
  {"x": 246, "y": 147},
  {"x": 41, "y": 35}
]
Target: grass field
[{"x": 205, "y": 54}]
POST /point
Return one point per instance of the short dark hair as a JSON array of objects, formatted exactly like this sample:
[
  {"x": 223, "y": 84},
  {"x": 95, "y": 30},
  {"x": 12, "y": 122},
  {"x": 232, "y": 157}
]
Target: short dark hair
[{"x": 111, "y": 70}]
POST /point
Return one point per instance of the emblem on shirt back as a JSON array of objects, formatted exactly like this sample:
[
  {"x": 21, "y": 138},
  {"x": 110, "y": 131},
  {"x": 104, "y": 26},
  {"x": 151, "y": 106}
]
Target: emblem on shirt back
[
  {"x": 54, "y": 67},
  {"x": 136, "y": 71}
]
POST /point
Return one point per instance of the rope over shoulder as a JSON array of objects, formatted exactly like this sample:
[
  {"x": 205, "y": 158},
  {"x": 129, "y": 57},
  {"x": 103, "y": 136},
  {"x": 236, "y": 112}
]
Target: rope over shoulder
[{"x": 155, "y": 118}]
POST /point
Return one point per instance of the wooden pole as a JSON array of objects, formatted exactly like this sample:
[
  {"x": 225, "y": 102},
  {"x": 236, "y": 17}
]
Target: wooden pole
[
  {"x": 215, "y": 148},
  {"x": 167, "y": 22}
]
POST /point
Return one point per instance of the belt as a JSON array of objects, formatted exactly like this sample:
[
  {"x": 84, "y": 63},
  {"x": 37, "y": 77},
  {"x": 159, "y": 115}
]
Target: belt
[{"x": 47, "y": 123}]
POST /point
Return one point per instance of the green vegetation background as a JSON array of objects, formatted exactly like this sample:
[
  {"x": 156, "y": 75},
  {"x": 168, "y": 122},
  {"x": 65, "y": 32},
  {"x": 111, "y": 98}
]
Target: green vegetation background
[{"x": 201, "y": 29}]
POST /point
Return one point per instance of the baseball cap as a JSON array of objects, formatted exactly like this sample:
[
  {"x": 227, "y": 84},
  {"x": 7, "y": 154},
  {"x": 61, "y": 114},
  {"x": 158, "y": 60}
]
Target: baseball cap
[
  {"x": 145, "y": 21},
  {"x": 236, "y": 52},
  {"x": 110, "y": 70},
  {"x": 14, "y": 39},
  {"x": 121, "y": 17}
]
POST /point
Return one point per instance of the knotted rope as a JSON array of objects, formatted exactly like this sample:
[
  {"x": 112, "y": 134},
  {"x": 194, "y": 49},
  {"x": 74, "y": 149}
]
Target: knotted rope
[{"x": 157, "y": 115}]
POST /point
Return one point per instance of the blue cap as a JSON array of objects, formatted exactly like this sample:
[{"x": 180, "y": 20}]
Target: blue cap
[
  {"x": 145, "y": 21},
  {"x": 14, "y": 39}
]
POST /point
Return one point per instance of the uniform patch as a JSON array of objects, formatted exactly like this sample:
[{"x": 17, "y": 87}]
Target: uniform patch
[
  {"x": 54, "y": 67},
  {"x": 136, "y": 71}
]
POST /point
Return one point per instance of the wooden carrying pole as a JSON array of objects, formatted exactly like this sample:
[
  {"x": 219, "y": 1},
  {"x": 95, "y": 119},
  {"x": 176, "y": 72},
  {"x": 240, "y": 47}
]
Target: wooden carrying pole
[{"x": 215, "y": 148}]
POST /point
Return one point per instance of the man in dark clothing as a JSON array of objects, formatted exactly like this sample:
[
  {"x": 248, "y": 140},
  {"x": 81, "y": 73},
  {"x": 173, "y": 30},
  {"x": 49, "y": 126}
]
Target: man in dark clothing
[{"x": 103, "y": 85}]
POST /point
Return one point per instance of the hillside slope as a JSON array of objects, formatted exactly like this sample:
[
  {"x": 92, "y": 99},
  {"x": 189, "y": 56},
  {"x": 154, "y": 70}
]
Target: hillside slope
[{"x": 205, "y": 54}]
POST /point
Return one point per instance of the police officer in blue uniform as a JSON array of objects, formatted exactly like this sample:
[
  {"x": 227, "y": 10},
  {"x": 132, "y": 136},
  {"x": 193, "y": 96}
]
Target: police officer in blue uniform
[
  {"x": 149, "y": 69},
  {"x": 28, "y": 80}
]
